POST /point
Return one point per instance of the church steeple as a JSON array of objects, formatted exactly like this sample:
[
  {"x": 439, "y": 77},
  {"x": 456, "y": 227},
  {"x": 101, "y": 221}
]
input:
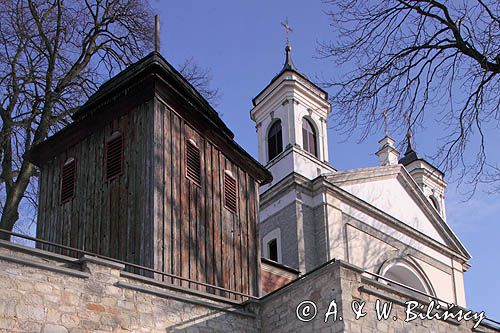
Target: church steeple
[
  {"x": 388, "y": 154},
  {"x": 429, "y": 178},
  {"x": 410, "y": 154},
  {"x": 291, "y": 119}
]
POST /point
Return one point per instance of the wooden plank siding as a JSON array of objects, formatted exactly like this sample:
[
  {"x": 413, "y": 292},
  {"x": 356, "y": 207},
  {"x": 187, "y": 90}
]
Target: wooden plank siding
[
  {"x": 212, "y": 241},
  {"x": 153, "y": 214}
]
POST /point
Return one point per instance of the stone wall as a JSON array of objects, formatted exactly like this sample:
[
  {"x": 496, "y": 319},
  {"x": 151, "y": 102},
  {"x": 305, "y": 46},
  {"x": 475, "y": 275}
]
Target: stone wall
[
  {"x": 278, "y": 309},
  {"x": 285, "y": 220},
  {"x": 42, "y": 292},
  {"x": 299, "y": 234},
  {"x": 344, "y": 283}
]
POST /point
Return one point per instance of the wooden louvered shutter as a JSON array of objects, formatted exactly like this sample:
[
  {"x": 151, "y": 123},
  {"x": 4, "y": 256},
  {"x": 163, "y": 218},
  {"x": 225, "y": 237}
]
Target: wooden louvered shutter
[
  {"x": 114, "y": 156},
  {"x": 68, "y": 180},
  {"x": 230, "y": 194},
  {"x": 193, "y": 169}
]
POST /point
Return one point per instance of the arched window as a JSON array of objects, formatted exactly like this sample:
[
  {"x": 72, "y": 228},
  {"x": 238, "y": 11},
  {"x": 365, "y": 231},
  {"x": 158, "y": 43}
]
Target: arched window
[
  {"x": 408, "y": 274},
  {"x": 274, "y": 140},
  {"x": 309, "y": 137},
  {"x": 271, "y": 246}
]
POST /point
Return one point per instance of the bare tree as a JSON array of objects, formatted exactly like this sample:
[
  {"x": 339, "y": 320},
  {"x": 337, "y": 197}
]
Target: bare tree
[
  {"x": 53, "y": 56},
  {"x": 422, "y": 60},
  {"x": 200, "y": 78}
]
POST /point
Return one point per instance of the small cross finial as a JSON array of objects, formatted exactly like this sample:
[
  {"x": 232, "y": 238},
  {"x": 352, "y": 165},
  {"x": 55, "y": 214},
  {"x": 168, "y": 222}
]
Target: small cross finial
[
  {"x": 386, "y": 127},
  {"x": 288, "y": 29}
]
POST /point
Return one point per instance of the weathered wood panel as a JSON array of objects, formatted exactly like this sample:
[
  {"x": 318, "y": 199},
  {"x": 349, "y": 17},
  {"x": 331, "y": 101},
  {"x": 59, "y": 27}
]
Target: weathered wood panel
[
  {"x": 209, "y": 216},
  {"x": 217, "y": 211},
  {"x": 201, "y": 236},
  {"x": 253, "y": 243},
  {"x": 152, "y": 214},
  {"x": 133, "y": 171},
  {"x": 97, "y": 140},
  {"x": 214, "y": 245},
  {"x": 176, "y": 177}
]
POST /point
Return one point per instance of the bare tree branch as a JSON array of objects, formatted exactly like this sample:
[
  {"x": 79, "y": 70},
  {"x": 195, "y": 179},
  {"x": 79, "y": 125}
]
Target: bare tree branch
[
  {"x": 200, "y": 78},
  {"x": 422, "y": 60},
  {"x": 53, "y": 55}
]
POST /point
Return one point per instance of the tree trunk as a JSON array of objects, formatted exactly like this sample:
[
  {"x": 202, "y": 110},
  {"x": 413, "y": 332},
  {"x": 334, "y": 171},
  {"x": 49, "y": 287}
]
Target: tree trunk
[{"x": 10, "y": 213}]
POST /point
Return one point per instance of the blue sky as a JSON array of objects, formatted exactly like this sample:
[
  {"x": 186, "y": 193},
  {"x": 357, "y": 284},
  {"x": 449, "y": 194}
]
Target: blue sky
[{"x": 242, "y": 42}]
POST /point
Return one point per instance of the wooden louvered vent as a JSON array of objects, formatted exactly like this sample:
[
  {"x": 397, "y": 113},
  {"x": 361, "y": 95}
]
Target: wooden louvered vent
[
  {"x": 114, "y": 156},
  {"x": 68, "y": 180},
  {"x": 230, "y": 194},
  {"x": 193, "y": 169}
]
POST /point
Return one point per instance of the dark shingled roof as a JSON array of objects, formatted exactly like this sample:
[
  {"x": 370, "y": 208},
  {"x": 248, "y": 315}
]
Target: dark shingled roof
[
  {"x": 86, "y": 117},
  {"x": 288, "y": 66},
  {"x": 409, "y": 156},
  {"x": 152, "y": 59},
  {"x": 412, "y": 156}
]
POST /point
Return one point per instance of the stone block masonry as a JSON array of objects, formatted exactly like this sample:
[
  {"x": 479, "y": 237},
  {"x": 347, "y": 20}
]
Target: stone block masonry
[
  {"x": 311, "y": 296},
  {"x": 44, "y": 292},
  {"x": 41, "y": 292}
]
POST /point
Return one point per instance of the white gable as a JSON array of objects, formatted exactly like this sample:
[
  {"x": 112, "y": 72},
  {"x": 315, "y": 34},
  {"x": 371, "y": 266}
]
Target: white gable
[{"x": 390, "y": 196}]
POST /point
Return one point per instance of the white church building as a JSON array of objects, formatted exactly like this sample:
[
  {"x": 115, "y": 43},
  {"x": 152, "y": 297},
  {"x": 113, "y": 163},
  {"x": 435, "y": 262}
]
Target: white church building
[
  {"x": 388, "y": 219},
  {"x": 120, "y": 248}
]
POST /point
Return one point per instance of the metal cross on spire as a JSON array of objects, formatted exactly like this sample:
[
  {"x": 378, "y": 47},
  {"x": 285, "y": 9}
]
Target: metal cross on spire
[
  {"x": 288, "y": 29},
  {"x": 386, "y": 127}
]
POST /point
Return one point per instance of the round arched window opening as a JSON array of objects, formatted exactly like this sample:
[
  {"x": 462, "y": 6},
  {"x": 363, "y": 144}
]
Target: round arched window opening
[
  {"x": 271, "y": 246},
  {"x": 408, "y": 275},
  {"x": 274, "y": 140},
  {"x": 309, "y": 137}
]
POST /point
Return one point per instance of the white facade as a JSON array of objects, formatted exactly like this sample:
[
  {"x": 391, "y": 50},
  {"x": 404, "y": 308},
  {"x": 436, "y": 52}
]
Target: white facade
[
  {"x": 389, "y": 219},
  {"x": 387, "y": 154},
  {"x": 291, "y": 98},
  {"x": 431, "y": 182}
]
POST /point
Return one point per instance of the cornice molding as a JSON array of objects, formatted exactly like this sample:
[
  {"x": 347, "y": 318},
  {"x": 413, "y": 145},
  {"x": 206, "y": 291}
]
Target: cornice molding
[{"x": 385, "y": 218}]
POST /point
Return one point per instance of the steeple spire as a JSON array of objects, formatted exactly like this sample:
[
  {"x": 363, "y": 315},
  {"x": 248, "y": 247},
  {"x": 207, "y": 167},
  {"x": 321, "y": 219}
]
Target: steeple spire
[
  {"x": 409, "y": 146},
  {"x": 410, "y": 154},
  {"x": 288, "y": 59}
]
